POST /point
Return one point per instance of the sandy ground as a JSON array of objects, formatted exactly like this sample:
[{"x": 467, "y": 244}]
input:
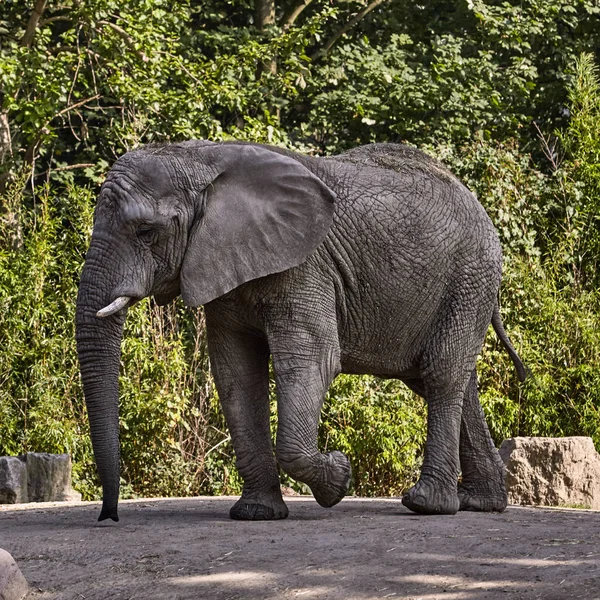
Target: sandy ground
[{"x": 180, "y": 549}]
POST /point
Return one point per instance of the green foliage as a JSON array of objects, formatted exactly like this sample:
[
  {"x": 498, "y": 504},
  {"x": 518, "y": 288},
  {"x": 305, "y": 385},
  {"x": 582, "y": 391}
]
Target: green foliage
[
  {"x": 171, "y": 430},
  {"x": 465, "y": 79},
  {"x": 381, "y": 427},
  {"x": 41, "y": 253},
  {"x": 443, "y": 71},
  {"x": 100, "y": 77},
  {"x": 581, "y": 175}
]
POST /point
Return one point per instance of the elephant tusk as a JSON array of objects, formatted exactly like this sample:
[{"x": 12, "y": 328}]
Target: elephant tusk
[{"x": 113, "y": 307}]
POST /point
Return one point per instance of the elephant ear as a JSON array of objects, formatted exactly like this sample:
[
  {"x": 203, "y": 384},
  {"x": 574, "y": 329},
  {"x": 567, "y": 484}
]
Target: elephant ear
[{"x": 264, "y": 213}]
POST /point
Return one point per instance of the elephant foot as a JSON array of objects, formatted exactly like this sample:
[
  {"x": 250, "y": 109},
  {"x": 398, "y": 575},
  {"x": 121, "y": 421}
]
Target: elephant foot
[
  {"x": 429, "y": 498},
  {"x": 336, "y": 479},
  {"x": 259, "y": 507},
  {"x": 483, "y": 486},
  {"x": 482, "y": 498}
]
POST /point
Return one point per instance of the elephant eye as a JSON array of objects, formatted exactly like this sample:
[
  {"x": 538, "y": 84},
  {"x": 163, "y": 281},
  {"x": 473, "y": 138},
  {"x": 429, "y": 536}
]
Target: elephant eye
[{"x": 146, "y": 234}]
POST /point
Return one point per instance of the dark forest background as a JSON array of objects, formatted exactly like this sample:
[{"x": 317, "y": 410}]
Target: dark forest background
[{"x": 506, "y": 93}]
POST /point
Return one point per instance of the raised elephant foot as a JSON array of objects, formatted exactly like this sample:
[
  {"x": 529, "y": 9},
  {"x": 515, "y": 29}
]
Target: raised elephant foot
[
  {"x": 338, "y": 475},
  {"x": 428, "y": 498},
  {"x": 481, "y": 498},
  {"x": 264, "y": 507}
]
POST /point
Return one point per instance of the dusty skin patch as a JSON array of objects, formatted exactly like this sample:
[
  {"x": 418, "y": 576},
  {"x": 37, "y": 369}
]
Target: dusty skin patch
[{"x": 188, "y": 549}]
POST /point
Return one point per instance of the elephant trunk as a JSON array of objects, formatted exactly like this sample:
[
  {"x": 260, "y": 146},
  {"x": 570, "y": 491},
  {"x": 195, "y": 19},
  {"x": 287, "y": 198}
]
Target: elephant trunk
[{"x": 99, "y": 351}]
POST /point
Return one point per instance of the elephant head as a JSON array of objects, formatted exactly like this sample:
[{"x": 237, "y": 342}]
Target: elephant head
[{"x": 196, "y": 219}]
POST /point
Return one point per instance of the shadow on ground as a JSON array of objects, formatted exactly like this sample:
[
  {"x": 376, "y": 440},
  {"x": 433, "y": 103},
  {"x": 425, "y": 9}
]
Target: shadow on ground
[{"x": 182, "y": 549}]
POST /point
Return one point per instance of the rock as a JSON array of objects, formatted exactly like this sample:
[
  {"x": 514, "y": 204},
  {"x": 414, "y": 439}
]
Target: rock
[
  {"x": 72, "y": 496},
  {"x": 12, "y": 583},
  {"x": 36, "y": 477},
  {"x": 552, "y": 471},
  {"x": 13, "y": 480},
  {"x": 49, "y": 477}
]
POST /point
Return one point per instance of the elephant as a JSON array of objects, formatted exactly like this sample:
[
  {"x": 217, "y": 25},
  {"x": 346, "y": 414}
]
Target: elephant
[{"x": 375, "y": 261}]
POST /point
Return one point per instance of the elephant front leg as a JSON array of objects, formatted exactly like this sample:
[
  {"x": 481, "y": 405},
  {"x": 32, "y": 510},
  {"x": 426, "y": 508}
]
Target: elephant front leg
[
  {"x": 240, "y": 365},
  {"x": 483, "y": 485},
  {"x": 302, "y": 383}
]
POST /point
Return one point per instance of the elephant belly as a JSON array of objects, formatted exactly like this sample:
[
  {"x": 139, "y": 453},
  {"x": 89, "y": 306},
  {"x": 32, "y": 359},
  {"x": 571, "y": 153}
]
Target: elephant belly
[
  {"x": 387, "y": 339},
  {"x": 390, "y": 363}
]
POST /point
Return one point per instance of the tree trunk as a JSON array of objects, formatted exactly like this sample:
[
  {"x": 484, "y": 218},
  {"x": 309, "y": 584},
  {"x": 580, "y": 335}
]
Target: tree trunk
[
  {"x": 5, "y": 139},
  {"x": 265, "y": 18},
  {"x": 5, "y": 147},
  {"x": 265, "y": 13},
  {"x": 33, "y": 22}
]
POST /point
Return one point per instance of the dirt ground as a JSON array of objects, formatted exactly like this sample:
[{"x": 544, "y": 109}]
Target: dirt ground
[{"x": 180, "y": 549}]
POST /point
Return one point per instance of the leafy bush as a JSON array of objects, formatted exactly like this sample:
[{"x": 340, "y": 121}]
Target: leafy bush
[
  {"x": 467, "y": 79},
  {"x": 41, "y": 254},
  {"x": 171, "y": 431},
  {"x": 380, "y": 425}
]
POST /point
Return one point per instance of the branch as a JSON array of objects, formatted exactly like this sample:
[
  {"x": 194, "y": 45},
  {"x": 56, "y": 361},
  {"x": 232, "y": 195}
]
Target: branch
[
  {"x": 53, "y": 19},
  {"x": 290, "y": 18},
  {"x": 30, "y": 153},
  {"x": 550, "y": 151},
  {"x": 69, "y": 108},
  {"x": 32, "y": 24},
  {"x": 347, "y": 27},
  {"x": 67, "y": 168},
  {"x": 126, "y": 37}
]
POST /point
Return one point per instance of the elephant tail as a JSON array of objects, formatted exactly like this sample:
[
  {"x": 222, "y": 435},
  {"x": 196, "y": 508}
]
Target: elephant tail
[{"x": 501, "y": 333}]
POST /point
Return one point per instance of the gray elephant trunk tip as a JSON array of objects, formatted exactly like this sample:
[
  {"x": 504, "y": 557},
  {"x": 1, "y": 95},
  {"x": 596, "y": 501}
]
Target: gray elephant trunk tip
[
  {"x": 114, "y": 307},
  {"x": 108, "y": 513}
]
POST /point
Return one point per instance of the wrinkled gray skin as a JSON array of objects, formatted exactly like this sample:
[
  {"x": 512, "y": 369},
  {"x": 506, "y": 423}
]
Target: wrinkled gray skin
[{"x": 376, "y": 261}]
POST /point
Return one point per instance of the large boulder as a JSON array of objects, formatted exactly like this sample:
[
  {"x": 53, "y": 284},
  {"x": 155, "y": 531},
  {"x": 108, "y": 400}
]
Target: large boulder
[
  {"x": 49, "y": 477},
  {"x": 12, "y": 583},
  {"x": 36, "y": 477},
  {"x": 552, "y": 471},
  {"x": 13, "y": 480}
]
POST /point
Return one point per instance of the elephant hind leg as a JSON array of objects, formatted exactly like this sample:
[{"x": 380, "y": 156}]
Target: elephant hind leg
[
  {"x": 482, "y": 486},
  {"x": 435, "y": 491},
  {"x": 430, "y": 496},
  {"x": 446, "y": 370},
  {"x": 483, "y": 473}
]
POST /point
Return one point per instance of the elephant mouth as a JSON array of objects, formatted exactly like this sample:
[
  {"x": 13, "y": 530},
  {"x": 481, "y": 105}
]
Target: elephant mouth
[
  {"x": 165, "y": 298},
  {"x": 164, "y": 294}
]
